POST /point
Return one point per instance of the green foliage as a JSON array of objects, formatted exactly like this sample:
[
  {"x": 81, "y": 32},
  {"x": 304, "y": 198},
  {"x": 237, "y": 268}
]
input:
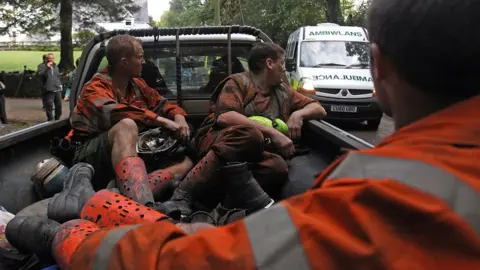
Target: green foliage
[
  {"x": 359, "y": 16},
  {"x": 277, "y": 18},
  {"x": 83, "y": 37},
  {"x": 29, "y": 16}
]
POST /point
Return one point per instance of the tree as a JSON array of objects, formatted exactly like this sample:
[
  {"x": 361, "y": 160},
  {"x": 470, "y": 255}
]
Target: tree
[
  {"x": 277, "y": 18},
  {"x": 83, "y": 37},
  {"x": 48, "y": 16},
  {"x": 333, "y": 12}
]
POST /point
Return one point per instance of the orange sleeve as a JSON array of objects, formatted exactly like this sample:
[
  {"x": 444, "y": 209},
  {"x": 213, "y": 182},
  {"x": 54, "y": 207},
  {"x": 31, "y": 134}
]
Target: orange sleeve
[
  {"x": 348, "y": 224},
  {"x": 299, "y": 101},
  {"x": 99, "y": 105},
  {"x": 158, "y": 104},
  {"x": 163, "y": 245}
]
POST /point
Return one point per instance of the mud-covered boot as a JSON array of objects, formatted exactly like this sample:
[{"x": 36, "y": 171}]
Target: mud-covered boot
[
  {"x": 33, "y": 235},
  {"x": 242, "y": 190},
  {"x": 180, "y": 205},
  {"x": 77, "y": 190},
  {"x": 196, "y": 186}
]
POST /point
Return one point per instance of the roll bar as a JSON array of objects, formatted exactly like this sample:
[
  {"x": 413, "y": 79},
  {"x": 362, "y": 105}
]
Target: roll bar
[{"x": 157, "y": 32}]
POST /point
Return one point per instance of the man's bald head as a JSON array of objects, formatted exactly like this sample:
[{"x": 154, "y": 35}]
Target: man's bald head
[{"x": 119, "y": 47}]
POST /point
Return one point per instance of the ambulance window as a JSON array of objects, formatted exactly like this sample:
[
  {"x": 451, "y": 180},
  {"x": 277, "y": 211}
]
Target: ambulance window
[{"x": 337, "y": 54}]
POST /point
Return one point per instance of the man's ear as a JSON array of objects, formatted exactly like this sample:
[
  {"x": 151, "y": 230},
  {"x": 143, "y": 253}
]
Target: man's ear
[
  {"x": 269, "y": 63},
  {"x": 124, "y": 62},
  {"x": 380, "y": 65}
]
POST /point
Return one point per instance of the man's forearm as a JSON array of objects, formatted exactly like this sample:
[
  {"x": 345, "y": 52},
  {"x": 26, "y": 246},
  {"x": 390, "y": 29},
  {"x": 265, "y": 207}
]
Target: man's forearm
[
  {"x": 312, "y": 111},
  {"x": 233, "y": 118}
]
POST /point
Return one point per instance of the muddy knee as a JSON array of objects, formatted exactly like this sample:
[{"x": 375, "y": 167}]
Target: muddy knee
[
  {"x": 126, "y": 130},
  {"x": 122, "y": 139},
  {"x": 239, "y": 143}
]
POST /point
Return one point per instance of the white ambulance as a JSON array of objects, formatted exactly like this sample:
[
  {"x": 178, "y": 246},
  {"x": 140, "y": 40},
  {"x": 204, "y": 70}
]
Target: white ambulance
[{"x": 330, "y": 63}]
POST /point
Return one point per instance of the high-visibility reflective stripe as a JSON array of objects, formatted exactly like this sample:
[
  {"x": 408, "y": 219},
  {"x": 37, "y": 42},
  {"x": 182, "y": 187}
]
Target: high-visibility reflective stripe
[
  {"x": 275, "y": 241},
  {"x": 105, "y": 250},
  {"x": 461, "y": 197}
]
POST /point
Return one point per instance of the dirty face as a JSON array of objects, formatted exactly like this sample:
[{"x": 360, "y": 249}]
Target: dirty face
[
  {"x": 136, "y": 61},
  {"x": 276, "y": 69}
]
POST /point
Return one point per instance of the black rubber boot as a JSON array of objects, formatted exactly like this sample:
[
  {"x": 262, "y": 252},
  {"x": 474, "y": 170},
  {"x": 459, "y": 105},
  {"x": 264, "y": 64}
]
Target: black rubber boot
[
  {"x": 242, "y": 190},
  {"x": 77, "y": 190},
  {"x": 180, "y": 205},
  {"x": 33, "y": 235}
]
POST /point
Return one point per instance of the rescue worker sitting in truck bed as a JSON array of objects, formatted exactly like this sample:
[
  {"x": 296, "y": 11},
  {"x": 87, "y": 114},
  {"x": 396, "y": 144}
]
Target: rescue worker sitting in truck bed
[
  {"x": 409, "y": 203},
  {"x": 228, "y": 135},
  {"x": 114, "y": 106}
]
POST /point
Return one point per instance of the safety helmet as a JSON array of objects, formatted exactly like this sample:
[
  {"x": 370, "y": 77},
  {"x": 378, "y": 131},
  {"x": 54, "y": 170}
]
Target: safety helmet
[
  {"x": 277, "y": 124},
  {"x": 157, "y": 143}
]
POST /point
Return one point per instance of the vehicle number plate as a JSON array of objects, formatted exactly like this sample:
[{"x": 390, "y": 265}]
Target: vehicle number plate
[{"x": 340, "y": 108}]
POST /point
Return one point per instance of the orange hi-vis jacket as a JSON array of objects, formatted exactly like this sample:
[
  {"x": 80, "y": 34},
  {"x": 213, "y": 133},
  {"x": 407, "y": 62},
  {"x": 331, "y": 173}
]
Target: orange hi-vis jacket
[{"x": 412, "y": 202}]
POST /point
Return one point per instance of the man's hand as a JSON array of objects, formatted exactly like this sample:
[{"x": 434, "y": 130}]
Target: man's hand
[
  {"x": 49, "y": 64},
  {"x": 295, "y": 123},
  {"x": 184, "y": 129},
  {"x": 283, "y": 144},
  {"x": 168, "y": 124}
]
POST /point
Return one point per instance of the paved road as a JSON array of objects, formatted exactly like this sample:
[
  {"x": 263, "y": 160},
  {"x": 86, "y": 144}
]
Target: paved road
[
  {"x": 30, "y": 111},
  {"x": 374, "y": 137},
  {"x": 23, "y": 112}
]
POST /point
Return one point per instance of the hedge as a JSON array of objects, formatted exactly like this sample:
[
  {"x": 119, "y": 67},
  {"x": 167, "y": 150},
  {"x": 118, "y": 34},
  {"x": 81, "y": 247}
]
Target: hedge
[{"x": 29, "y": 87}]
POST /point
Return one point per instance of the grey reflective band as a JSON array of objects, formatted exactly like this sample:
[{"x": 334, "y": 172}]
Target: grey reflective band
[
  {"x": 105, "y": 249},
  {"x": 275, "y": 241},
  {"x": 463, "y": 199}
]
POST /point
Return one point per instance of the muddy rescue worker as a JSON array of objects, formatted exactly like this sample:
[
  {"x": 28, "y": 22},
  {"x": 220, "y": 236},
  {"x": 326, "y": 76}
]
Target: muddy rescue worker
[
  {"x": 114, "y": 106},
  {"x": 228, "y": 134},
  {"x": 409, "y": 203}
]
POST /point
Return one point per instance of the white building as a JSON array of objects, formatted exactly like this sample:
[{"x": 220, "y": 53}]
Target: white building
[
  {"x": 127, "y": 24},
  {"x": 137, "y": 20}
]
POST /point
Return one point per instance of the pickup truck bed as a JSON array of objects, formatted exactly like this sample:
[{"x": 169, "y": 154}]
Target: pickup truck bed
[{"x": 21, "y": 151}]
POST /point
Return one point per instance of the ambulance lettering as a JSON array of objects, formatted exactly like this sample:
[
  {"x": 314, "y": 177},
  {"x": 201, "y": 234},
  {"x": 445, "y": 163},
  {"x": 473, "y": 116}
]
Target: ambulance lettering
[
  {"x": 335, "y": 33},
  {"x": 343, "y": 78}
]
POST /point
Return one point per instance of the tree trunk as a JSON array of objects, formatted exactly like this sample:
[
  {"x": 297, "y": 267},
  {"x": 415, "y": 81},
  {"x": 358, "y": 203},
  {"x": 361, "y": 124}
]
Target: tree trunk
[
  {"x": 334, "y": 12},
  {"x": 66, "y": 45}
]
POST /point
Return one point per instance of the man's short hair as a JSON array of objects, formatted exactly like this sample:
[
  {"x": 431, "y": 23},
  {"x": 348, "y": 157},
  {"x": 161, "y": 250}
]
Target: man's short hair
[
  {"x": 259, "y": 54},
  {"x": 119, "y": 47},
  {"x": 433, "y": 44}
]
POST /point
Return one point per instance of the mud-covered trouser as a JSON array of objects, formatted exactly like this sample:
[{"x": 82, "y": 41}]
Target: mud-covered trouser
[
  {"x": 245, "y": 143},
  {"x": 237, "y": 143}
]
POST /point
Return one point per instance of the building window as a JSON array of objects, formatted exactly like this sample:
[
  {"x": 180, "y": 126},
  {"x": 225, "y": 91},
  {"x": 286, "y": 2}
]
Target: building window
[{"x": 128, "y": 22}]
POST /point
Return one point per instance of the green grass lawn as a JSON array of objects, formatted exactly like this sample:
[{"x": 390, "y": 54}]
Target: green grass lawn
[{"x": 15, "y": 60}]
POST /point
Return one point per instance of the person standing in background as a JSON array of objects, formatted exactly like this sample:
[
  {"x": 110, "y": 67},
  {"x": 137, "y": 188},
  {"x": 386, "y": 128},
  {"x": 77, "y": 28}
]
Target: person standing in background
[
  {"x": 53, "y": 91},
  {"x": 42, "y": 79},
  {"x": 3, "y": 113},
  {"x": 70, "y": 81}
]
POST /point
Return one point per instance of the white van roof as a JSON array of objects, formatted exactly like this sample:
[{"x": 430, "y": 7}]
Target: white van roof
[{"x": 328, "y": 31}]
